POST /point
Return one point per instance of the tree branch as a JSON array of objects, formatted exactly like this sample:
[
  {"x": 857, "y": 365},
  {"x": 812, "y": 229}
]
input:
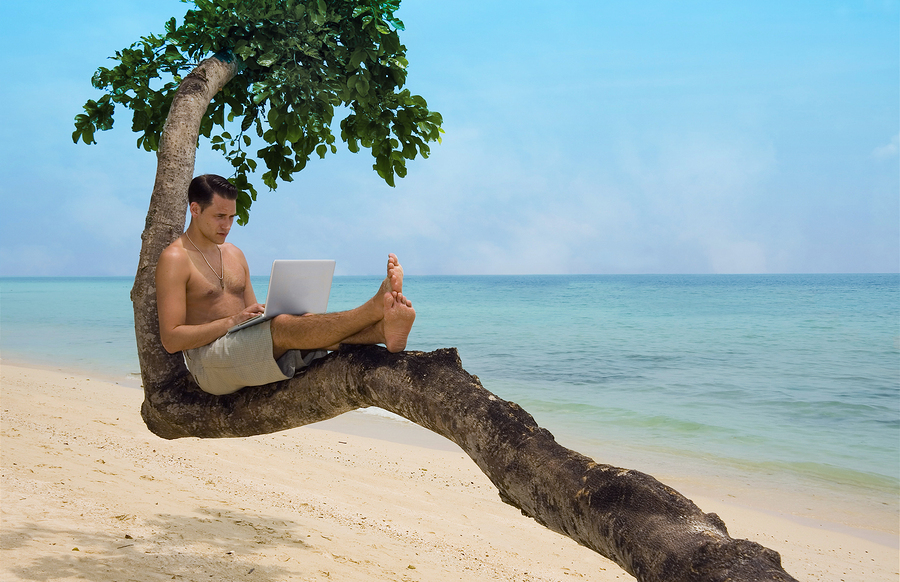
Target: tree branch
[{"x": 649, "y": 529}]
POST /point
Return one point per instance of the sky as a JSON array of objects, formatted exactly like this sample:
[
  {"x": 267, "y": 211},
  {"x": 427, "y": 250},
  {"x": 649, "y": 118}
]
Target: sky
[{"x": 581, "y": 137}]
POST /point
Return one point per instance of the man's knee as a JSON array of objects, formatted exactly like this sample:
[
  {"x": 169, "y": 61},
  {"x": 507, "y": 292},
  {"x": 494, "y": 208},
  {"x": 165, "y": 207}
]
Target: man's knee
[
  {"x": 278, "y": 331},
  {"x": 278, "y": 325},
  {"x": 282, "y": 324}
]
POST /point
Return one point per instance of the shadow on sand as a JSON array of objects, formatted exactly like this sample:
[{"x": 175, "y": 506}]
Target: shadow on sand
[{"x": 213, "y": 544}]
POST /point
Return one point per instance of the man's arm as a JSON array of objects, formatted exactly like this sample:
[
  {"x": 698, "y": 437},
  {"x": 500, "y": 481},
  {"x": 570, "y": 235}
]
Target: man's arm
[{"x": 173, "y": 270}]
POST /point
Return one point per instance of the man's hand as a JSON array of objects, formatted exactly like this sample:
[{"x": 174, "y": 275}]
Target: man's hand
[{"x": 247, "y": 313}]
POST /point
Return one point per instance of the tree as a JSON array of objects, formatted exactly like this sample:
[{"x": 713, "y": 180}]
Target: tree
[
  {"x": 281, "y": 67},
  {"x": 293, "y": 62}
]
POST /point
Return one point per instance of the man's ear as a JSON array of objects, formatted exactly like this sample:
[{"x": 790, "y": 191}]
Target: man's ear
[{"x": 195, "y": 209}]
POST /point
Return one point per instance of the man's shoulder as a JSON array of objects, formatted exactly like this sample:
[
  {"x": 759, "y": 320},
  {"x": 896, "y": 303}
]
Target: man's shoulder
[
  {"x": 232, "y": 250},
  {"x": 174, "y": 261},
  {"x": 174, "y": 252}
]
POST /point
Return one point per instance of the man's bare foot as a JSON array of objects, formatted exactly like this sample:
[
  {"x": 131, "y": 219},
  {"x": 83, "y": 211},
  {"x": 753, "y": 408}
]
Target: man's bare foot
[
  {"x": 395, "y": 273},
  {"x": 399, "y": 316},
  {"x": 393, "y": 283}
]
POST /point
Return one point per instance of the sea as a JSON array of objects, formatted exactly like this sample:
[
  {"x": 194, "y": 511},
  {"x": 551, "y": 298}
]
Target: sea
[{"x": 771, "y": 383}]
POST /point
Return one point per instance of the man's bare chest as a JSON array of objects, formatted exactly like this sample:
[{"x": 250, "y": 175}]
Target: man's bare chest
[{"x": 210, "y": 294}]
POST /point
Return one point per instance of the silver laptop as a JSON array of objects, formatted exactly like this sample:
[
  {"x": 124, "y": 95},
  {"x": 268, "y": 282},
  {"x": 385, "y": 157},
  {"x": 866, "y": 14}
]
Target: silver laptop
[{"x": 295, "y": 287}]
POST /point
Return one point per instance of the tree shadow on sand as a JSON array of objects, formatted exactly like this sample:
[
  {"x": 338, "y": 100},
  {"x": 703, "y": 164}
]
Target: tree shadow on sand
[{"x": 215, "y": 543}]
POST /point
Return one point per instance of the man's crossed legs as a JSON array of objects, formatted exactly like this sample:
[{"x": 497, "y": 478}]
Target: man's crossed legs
[{"x": 386, "y": 319}]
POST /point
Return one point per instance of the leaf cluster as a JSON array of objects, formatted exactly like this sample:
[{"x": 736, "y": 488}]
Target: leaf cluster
[{"x": 299, "y": 61}]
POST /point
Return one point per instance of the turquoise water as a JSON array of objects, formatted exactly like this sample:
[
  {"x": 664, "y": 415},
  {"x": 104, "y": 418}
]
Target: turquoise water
[{"x": 789, "y": 375}]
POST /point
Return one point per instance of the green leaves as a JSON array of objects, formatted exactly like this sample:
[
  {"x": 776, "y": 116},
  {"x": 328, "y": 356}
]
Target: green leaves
[
  {"x": 97, "y": 115},
  {"x": 267, "y": 60},
  {"x": 299, "y": 60}
]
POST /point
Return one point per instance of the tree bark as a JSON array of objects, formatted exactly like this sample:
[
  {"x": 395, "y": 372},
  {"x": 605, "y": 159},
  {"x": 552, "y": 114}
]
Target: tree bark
[
  {"x": 168, "y": 208},
  {"x": 649, "y": 529}
]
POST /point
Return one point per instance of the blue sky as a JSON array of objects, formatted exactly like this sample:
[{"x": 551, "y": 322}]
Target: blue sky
[{"x": 581, "y": 137}]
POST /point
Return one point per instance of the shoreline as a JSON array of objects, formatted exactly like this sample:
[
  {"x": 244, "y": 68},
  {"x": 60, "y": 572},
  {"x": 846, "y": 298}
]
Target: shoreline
[
  {"x": 863, "y": 512},
  {"x": 854, "y": 510},
  {"x": 703, "y": 487},
  {"x": 80, "y": 470}
]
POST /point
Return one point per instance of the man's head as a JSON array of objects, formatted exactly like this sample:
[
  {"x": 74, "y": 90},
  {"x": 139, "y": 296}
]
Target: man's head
[
  {"x": 212, "y": 203},
  {"x": 203, "y": 188}
]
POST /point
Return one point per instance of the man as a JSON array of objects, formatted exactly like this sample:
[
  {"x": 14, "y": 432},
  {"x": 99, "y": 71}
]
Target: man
[{"x": 203, "y": 289}]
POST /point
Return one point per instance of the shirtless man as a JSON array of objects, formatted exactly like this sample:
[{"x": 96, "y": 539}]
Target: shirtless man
[{"x": 203, "y": 289}]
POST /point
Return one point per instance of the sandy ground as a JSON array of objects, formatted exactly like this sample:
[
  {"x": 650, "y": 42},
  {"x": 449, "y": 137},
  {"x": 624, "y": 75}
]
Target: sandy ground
[{"x": 89, "y": 494}]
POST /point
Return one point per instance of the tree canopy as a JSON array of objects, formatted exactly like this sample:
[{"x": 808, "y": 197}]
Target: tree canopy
[{"x": 299, "y": 62}]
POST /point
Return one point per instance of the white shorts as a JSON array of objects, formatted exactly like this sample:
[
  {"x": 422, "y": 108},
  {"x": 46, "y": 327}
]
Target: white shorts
[{"x": 244, "y": 358}]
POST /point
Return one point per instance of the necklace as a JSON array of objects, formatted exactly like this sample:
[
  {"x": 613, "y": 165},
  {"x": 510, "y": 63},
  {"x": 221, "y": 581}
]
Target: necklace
[{"x": 222, "y": 262}]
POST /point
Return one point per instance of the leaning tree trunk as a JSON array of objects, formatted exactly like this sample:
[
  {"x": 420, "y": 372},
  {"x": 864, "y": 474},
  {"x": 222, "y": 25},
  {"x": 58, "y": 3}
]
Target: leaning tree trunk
[
  {"x": 168, "y": 207},
  {"x": 649, "y": 529}
]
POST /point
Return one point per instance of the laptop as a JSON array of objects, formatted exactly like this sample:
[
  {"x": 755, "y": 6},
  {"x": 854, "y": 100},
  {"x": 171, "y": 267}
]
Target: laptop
[{"x": 295, "y": 287}]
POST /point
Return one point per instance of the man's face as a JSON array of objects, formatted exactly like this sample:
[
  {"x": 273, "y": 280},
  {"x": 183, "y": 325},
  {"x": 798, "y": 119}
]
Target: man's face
[{"x": 216, "y": 219}]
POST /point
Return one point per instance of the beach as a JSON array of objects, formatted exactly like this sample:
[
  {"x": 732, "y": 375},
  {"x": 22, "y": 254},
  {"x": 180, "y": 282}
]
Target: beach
[{"x": 89, "y": 493}]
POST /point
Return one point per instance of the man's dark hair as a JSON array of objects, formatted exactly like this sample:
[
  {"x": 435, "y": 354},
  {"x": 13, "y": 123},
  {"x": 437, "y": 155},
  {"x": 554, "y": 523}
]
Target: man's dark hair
[{"x": 203, "y": 187}]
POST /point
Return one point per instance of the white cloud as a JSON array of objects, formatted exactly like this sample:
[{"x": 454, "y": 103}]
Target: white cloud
[
  {"x": 699, "y": 192},
  {"x": 889, "y": 150}
]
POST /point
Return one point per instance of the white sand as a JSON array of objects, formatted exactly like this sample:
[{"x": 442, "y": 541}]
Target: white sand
[{"x": 88, "y": 493}]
